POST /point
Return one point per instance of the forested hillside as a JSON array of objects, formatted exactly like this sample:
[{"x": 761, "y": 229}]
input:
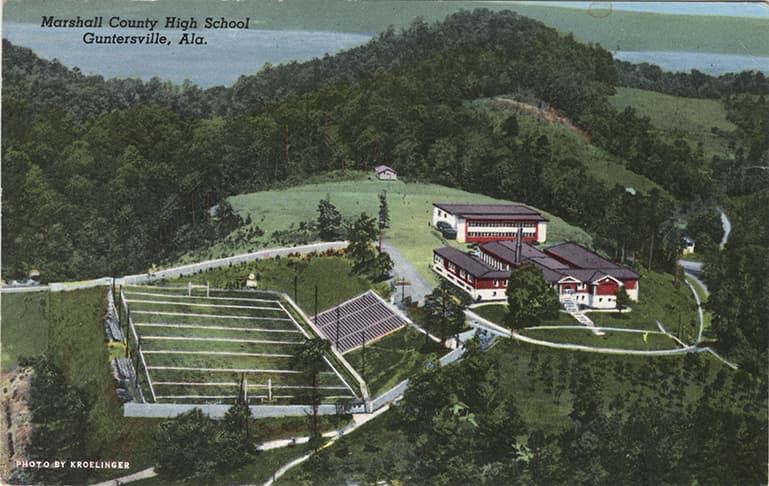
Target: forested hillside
[{"x": 106, "y": 177}]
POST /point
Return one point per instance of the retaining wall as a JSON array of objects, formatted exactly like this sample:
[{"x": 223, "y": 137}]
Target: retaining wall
[{"x": 167, "y": 410}]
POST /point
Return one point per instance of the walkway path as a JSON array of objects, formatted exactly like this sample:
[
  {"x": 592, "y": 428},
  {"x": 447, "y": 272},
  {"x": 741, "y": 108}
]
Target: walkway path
[
  {"x": 358, "y": 420},
  {"x": 403, "y": 269},
  {"x": 573, "y": 310},
  {"x": 144, "y": 474}
]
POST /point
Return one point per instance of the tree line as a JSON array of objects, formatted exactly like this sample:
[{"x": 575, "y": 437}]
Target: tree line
[{"x": 112, "y": 188}]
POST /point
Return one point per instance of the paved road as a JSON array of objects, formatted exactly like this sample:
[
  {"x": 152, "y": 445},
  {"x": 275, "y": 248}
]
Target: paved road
[
  {"x": 726, "y": 225},
  {"x": 402, "y": 268}
]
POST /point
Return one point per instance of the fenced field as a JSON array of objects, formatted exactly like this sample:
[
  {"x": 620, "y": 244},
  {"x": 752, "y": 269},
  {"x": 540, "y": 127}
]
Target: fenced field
[{"x": 199, "y": 345}]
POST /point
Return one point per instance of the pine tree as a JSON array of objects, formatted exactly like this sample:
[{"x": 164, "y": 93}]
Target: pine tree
[{"x": 329, "y": 220}]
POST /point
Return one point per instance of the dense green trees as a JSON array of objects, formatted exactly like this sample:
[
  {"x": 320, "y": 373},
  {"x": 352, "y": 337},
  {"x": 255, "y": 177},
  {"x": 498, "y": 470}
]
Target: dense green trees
[
  {"x": 59, "y": 410},
  {"x": 530, "y": 298},
  {"x": 111, "y": 187},
  {"x": 195, "y": 446},
  {"x": 737, "y": 281},
  {"x": 624, "y": 420},
  {"x": 694, "y": 84},
  {"x": 329, "y": 220}
]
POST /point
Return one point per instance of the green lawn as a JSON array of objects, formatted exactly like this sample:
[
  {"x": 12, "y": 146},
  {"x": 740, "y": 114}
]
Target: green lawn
[
  {"x": 410, "y": 207},
  {"x": 566, "y": 144},
  {"x": 331, "y": 274},
  {"x": 689, "y": 118},
  {"x": 393, "y": 358},
  {"x": 23, "y": 328},
  {"x": 496, "y": 313},
  {"x": 659, "y": 300}
]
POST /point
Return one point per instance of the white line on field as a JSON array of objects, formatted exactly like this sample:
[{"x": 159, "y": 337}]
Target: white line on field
[
  {"x": 221, "y": 340},
  {"x": 233, "y": 370},
  {"x": 217, "y": 316},
  {"x": 229, "y": 370},
  {"x": 250, "y": 386},
  {"x": 220, "y": 353},
  {"x": 203, "y": 326},
  {"x": 174, "y": 296},
  {"x": 193, "y": 304}
]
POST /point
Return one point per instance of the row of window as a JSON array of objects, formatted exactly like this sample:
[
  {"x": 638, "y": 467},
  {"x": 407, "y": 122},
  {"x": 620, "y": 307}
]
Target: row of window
[
  {"x": 492, "y": 224},
  {"x": 526, "y": 234}
]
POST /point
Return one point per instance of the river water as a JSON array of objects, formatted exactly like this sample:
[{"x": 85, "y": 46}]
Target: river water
[{"x": 229, "y": 54}]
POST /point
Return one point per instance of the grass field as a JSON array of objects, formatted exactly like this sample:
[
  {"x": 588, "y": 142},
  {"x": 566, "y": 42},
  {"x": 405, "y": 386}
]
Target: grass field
[
  {"x": 23, "y": 326},
  {"x": 278, "y": 275},
  {"x": 689, "y": 118},
  {"x": 393, "y": 358},
  {"x": 566, "y": 144},
  {"x": 410, "y": 213},
  {"x": 241, "y": 335},
  {"x": 496, "y": 314}
]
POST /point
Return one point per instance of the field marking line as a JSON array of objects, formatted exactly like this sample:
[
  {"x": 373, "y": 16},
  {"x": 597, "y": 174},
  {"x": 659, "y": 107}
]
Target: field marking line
[
  {"x": 255, "y": 386},
  {"x": 195, "y": 304},
  {"x": 217, "y": 316},
  {"x": 232, "y": 370},
  {"x": 204, "y": 326},
  {"x": 221, "y": 340},
  {"x": 175, "y": 296},
  {"x": 221, "y": 353}
]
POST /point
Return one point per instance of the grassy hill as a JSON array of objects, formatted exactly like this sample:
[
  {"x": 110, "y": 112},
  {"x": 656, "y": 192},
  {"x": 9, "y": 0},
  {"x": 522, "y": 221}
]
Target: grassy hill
[
  {"x": 566, "y": 141},
  {"x": 410, "y": 207},
  {"x": 690, "y": 118}
]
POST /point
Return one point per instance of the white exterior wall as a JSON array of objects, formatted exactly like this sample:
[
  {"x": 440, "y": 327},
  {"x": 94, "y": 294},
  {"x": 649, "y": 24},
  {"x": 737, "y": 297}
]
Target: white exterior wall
[
  {"x": 541, "y": 231},
  {"x": 461, "y": 228},
  {"x": 441, "y": 215},
  {"x": 606, "y": 301},
  {"x": 633, "y": 293},
  {"x": 486, "y": 295},
  {"x": 387, "y": 176}
]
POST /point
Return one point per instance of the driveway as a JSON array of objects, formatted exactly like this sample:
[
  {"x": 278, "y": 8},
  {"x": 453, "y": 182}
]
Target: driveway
[{"x": 403, "y": 269}]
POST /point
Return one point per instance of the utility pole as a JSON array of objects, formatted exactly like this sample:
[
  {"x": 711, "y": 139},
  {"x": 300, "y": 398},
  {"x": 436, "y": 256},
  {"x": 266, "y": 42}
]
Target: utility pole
[
  {"x": 296, "y": 285},
  {"x": 337, "y": 327},
  {"x": 315, "y": 319},
  {"x": 363, "y": 366}
]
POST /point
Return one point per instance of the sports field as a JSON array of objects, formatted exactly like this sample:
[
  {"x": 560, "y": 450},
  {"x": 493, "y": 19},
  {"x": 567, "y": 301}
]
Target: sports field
[{"x": 198, "y": 346}]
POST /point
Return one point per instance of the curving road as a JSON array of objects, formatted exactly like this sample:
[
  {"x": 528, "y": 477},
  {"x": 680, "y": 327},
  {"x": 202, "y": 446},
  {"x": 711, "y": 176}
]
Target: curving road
[{"x": 403, "y": 269}]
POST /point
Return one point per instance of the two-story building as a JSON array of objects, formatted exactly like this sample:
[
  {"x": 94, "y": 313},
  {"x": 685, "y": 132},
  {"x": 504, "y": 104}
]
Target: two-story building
[
  {"x": 575, "y": 272},
  {"x": 480, "y": 223}
]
